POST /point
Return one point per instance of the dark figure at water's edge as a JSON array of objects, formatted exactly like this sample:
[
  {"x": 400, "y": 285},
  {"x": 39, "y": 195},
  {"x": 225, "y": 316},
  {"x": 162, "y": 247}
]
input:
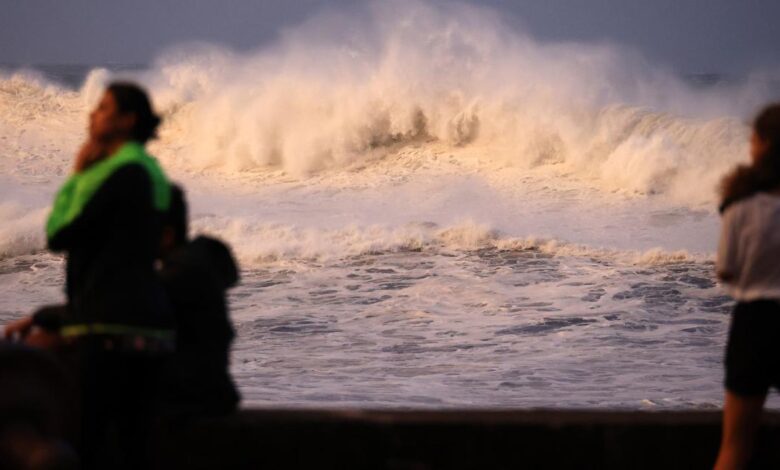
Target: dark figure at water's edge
[
  {"x": 747, "y": 263},
  {"x": 196, "y": 273}
]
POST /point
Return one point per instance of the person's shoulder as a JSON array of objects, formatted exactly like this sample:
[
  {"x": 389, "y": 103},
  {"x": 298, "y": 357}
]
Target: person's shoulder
[
  {"x": 731, "y": 211},
  {"x": 767, "y": 198},
  {"x": 761, "y": 204},
  {"x": 131, "y": 169},
  {"x": 755, "y": 209},
  {"x": 744, "y": 205},
  {"x": 129, "y": 174}
]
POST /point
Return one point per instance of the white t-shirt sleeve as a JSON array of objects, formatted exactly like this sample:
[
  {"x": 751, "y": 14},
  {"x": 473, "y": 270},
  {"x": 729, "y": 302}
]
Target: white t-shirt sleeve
[{"x": 726, "y": 265}]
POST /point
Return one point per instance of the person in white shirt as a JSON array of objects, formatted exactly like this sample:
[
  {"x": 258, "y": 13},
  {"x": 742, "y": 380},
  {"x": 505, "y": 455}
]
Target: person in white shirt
[{"x": 748, "y": 263}]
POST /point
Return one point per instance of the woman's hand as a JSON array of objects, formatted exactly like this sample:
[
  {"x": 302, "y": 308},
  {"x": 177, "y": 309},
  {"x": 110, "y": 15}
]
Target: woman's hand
[
  {"x": 17, "y": 330},
  {"x": 40, "y": 338},
  {"x": 90, "y": 153},
  {"x": 25, "y": 331}
]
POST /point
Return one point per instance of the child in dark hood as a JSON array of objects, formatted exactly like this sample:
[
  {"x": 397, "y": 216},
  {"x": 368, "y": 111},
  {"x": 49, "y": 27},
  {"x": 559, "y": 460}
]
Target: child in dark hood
[{"x": 196, "y": 274}]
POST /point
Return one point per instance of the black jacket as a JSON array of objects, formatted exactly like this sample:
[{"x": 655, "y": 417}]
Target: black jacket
[
  {"x": 111, "y": 248},
  {"x": 196, "y": 277}
]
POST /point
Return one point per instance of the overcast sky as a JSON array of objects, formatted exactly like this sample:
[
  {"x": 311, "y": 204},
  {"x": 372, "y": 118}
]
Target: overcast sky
[{"x": 729, "y": 36}]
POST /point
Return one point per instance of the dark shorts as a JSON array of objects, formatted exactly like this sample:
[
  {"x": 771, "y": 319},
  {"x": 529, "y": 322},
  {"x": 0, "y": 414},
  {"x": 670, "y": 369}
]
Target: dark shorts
[{"x": 753, "y": 350}]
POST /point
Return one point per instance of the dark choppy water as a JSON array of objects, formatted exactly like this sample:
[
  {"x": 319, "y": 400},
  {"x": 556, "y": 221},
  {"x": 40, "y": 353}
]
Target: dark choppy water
[{"x": 491, "y": 327}]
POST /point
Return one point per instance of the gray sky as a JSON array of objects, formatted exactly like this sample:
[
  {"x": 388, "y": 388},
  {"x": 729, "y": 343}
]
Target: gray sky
[{"x": 691, "y": 35}]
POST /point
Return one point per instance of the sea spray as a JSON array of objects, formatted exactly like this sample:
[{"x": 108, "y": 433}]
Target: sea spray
[{"x": 319, "y": 99}]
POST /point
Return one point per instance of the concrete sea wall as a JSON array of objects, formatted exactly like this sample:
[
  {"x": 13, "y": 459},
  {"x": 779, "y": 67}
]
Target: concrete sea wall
[{"x": 454, "y": 439}]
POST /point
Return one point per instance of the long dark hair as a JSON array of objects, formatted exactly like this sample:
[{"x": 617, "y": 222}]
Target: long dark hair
[
  {"x": 764, "y": 175},
  {"x": 130, "y": 98}
]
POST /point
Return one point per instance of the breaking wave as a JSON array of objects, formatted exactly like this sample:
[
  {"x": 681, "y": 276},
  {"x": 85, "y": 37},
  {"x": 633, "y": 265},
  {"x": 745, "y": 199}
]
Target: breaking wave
[{"x": 349, "y": 89}]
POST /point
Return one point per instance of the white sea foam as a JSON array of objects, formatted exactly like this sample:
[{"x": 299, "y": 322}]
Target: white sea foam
[
  {"x": 259, "y": 243},
  {"x": 21, "y": 231}
]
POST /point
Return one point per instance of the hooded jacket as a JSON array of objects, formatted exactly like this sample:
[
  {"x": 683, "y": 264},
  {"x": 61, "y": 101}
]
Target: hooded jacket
[{"x": 196, "y": 277}]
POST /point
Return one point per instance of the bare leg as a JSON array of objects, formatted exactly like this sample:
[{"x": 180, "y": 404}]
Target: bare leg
[{"x": 741, "y": 418}]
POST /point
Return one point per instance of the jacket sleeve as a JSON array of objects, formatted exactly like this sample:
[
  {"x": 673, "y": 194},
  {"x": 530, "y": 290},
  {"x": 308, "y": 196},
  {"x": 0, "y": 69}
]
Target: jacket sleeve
[{"x": 129, "y": 186}]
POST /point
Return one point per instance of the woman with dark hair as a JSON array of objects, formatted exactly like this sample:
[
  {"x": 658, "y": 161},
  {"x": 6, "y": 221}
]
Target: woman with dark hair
[
  {"x": 748, "y": 263},
  {"x": 108, "y": 219}
]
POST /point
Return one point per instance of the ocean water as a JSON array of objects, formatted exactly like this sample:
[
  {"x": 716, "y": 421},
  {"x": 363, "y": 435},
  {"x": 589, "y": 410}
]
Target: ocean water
[{"x": 430, "y": 209}]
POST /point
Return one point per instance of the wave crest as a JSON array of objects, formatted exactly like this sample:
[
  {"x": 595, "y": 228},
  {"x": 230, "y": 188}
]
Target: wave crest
[{"x": 349, "y": 88}]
